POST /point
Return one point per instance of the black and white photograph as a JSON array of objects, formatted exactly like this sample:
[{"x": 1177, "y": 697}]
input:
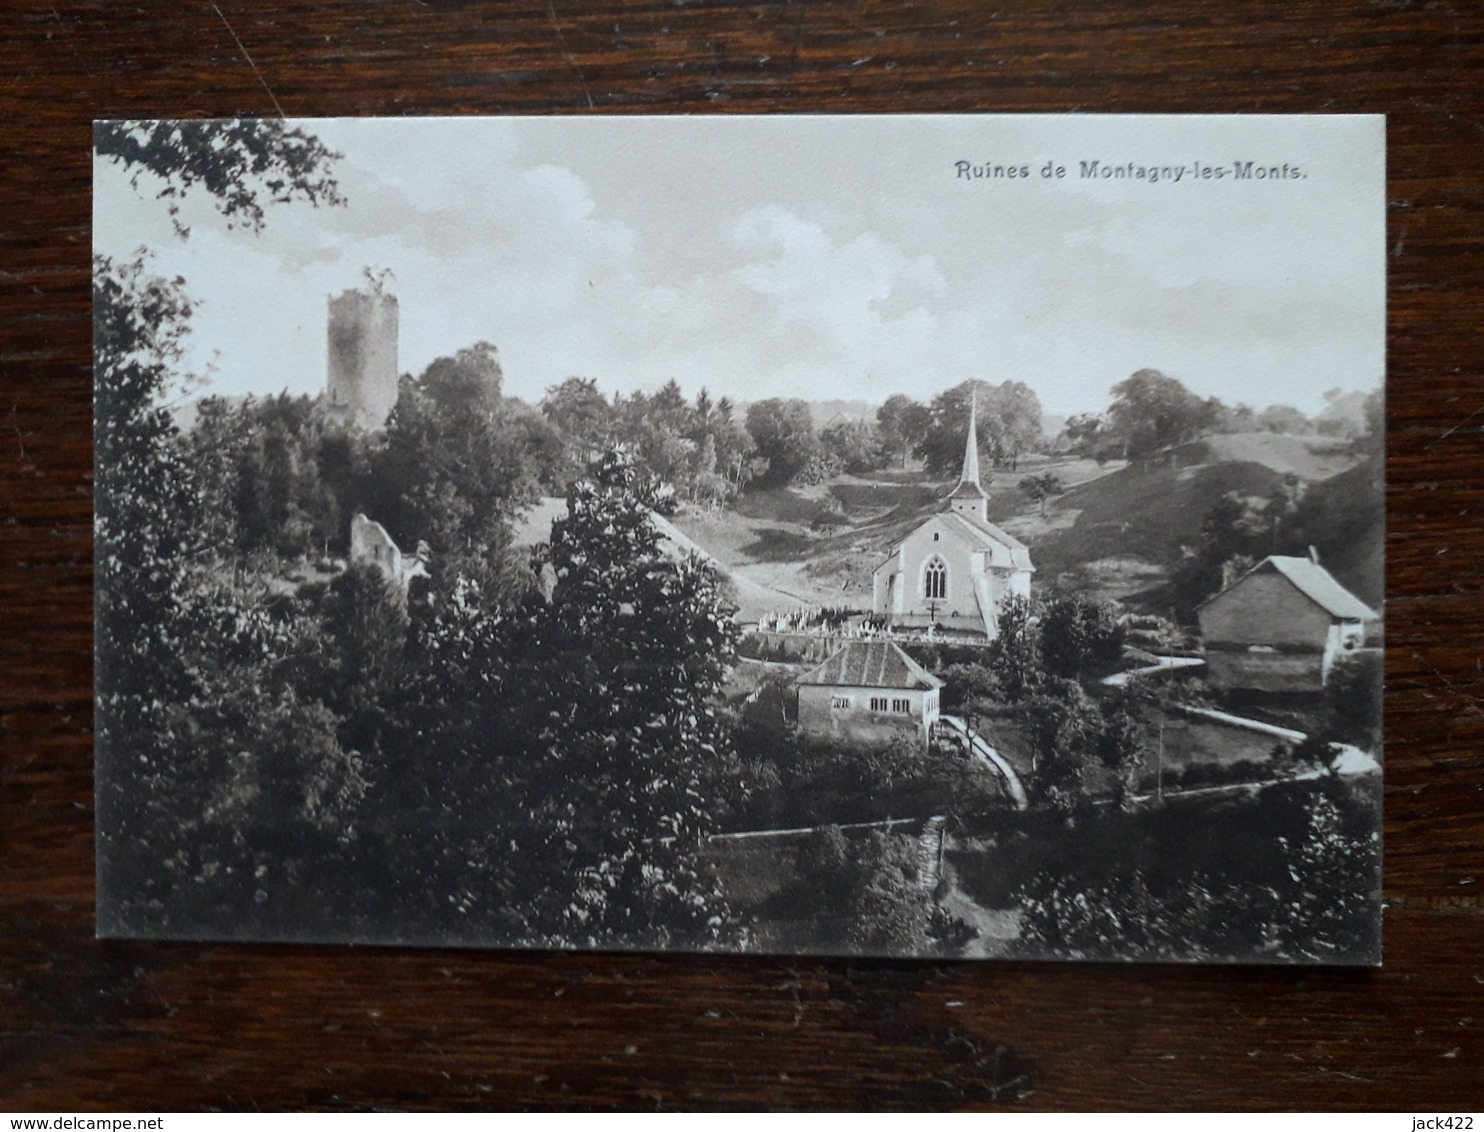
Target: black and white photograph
[{"x": 951, "y": 536}]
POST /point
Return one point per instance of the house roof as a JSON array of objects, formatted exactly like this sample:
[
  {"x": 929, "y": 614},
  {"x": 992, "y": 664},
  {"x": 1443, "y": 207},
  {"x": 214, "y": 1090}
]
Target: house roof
[
  {"x": 1316, "y": 583},
  {"x": 872, "y": 664}
]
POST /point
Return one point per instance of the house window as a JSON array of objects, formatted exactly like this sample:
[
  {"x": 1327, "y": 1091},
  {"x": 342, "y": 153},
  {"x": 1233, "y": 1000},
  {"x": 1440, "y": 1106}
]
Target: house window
[
  {"x": 935, "y": 579},
  {"x": 903, "y": 706},
  {"x": 936, "y": 536},
  {"x": 878, "y": 703},
  {"x": 839, "y": 701}
]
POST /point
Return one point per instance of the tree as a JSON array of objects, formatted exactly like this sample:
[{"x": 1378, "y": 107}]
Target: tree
[
  {"x": 1014, "y": 656},
  {"x": 1064, "y": 727},
  {"x": 145, "y": 520},
  {"x": 1152, "y": 412},
  {"x": 365, "y": 623},
  {"x": 1237, "y": 418},
  {"x": 904, "y": 424},
  {"x": 469, "y": 381},
  {"x": 783, "y": 432},
  {"x": 1307, "y": 891},
  {"x": 453, "y": 469},
  {"x": 176, "y": 656},
  {"x": 861, "y": 893},
  {"x": 1041, "y": 487},
  {"x": 1079, "y": 636},
  {"x": 1082, "y": 431},
  {"x": 629, "y": 661},
  {"x": 1011, "y": 415},
  {"x": 1009, "y": 419},
  {"x": 854, "y": 446},
  {"x": 1353, "y": 695},
  {"x": 1284, "y": 419},
  {"x": 240, "y": 163},
  {"x": 1235, "y": 531},
  {"x": 582, "y": 414}
]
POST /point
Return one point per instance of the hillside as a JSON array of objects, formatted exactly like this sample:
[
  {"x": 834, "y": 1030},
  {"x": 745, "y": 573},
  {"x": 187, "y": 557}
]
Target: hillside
[
  {"x": 1308, "y": 457},
  {"x": 1144, "y": 514},
  {"x": 1116, "y": 529},
  {"x": 752, "y": 597}
]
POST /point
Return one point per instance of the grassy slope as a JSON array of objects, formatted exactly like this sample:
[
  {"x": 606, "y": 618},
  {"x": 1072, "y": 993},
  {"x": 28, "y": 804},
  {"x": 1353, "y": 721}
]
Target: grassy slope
[{"x": 1116, "y": 528}]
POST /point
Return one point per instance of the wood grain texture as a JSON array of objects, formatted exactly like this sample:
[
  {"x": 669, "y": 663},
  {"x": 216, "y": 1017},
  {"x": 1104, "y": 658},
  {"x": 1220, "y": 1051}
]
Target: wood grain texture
[{"x": 160, "y": 1026}]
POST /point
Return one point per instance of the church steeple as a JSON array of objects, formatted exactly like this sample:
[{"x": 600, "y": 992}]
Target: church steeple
[
  {"x": 971, "y": 445},
  {"x": 969, "y": 498}
]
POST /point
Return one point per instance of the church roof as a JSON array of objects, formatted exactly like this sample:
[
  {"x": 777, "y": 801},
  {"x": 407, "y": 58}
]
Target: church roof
[
  {"x": 981, "y": 535},
  {"x": 872, "y": 664},
  {"x": 1316, "y": 583},
  {"x": 986, "y": 534}
]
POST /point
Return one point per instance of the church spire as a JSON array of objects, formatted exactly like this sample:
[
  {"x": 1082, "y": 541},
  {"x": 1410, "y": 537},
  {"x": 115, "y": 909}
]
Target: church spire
[
  {"x": 971, "y": 446},
  {"x": 969, "y": 497}
]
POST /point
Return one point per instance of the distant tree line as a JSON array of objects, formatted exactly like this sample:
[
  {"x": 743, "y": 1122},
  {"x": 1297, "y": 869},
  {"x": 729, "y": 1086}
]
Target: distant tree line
[{"x": 1152, "y": 413}]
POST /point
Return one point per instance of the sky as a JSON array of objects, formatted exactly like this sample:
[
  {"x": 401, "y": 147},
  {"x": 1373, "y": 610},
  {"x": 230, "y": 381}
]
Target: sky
[{"x": 811, "y": 256}]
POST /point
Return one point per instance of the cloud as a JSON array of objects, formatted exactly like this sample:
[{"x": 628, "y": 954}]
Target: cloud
[{"x": 809, "y": 256}]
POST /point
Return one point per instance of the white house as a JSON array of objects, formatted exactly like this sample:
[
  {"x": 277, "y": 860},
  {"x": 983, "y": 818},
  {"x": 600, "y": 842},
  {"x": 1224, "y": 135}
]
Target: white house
[
  {"x": 957, "y": 568},
  {"x": 869, "y": 692}
]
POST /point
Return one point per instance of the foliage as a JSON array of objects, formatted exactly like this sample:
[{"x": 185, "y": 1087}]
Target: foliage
[
  {"x": 144, "y": 534},
  {"x": 1065, "y": 729},
  {"x": 1080, "y": 636},
  {"x": 284, "y": 477},
  {"x": 633, "y": 648},
  {"x": 819, "y": 780},
  {"x": 1354, "y": 696},
  {"x": 903, "y": 424},
  {"x": 1083, "y": 431},
  {"x": 854, "y": 446},
  {"x": 451, "y": 469},
  {"x": 1151, "y": 413},
  {"x": 1284, "y": 419},
  {"x": 1014, "y": 656},
  {"x": 1009, "y": 420},
  {"x": 784, "y": 434},
  {"x": 1041, "y": 487},
  {"x": 860, "y": 892},
  {"x": 1236, "y": 533},
  {"x": 1305, "y": 889},
  {"x": 583, "y": 415},
  {"x": 241, "y": 163},
  {"x": 968, "y": 686}
]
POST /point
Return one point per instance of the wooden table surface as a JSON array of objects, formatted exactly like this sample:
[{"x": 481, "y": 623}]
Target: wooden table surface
[{"x": 163, "y": 1026}]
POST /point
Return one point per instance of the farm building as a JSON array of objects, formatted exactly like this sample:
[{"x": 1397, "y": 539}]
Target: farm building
[
  {"x": 869, "y": 692},
  {"x": 1280, "y": 627}
]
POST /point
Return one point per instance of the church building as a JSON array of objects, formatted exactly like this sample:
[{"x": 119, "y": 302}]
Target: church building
[{"x": 957, "y": 568}]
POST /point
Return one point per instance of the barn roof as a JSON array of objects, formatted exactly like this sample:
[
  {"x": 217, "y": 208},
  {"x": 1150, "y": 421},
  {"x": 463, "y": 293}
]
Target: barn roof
[
  {"x": 1316, "y": 583},
  {"x": 872, "y": 664}
]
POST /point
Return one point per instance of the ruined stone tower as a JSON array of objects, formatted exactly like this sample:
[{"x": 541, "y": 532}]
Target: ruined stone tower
[{"x": 362, "y": 386}]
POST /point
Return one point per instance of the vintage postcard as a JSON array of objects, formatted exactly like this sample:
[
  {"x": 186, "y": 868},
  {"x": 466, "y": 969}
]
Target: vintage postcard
[{"x": 952, "y": 536}]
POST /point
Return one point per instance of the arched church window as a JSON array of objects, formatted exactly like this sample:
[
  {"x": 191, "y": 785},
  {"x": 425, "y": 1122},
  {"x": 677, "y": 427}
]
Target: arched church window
[{"x": 935, "y": 579}]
